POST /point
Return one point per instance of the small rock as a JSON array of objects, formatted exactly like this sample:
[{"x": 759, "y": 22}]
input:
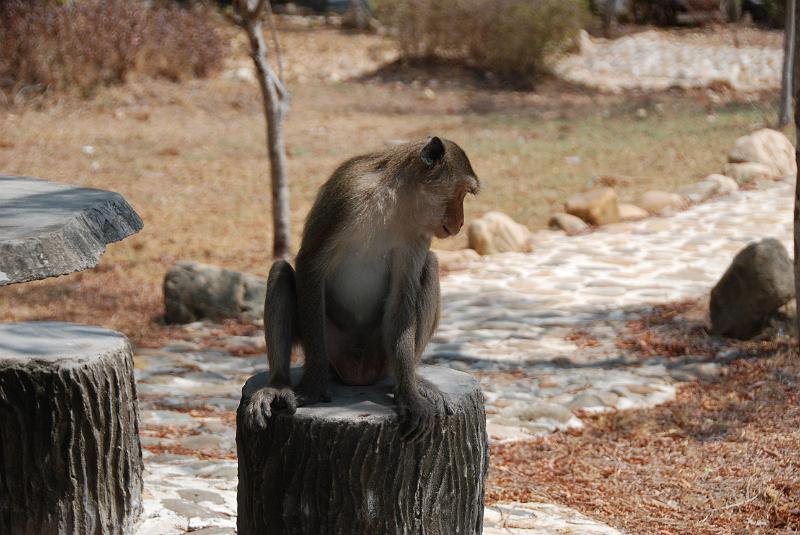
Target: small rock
[
  {"x": 758, "y": 282},
  {"x": 570, "y": 224},
  {"x": 631, "y": 212},
  {"x": 452, "y": 260},
  {"x": 596, "y": 207},
  {"x": 201, "y": 442},
  {"x": 699, "y": 191},
  {"x": 495, "y": 232},
  {"x": 725, "y": 184},
  {"x": 744, "y": 173},
  {"x": 585, "y": 401},
  {"x": 768, "y": 147},
  {"x": 541, "y": 411},
  {"x": 662, "y": 202}
]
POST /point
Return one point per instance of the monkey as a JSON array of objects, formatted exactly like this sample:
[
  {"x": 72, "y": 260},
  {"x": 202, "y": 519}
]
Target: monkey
[{"x": 363, "y": 299}]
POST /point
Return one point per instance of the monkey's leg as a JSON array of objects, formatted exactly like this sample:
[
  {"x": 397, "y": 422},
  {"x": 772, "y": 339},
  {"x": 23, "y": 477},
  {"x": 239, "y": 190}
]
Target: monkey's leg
[
  {"x": 280, "y": 330},
  {"x": 313, "y": 386},
  {"x": 429, "y": 303}
]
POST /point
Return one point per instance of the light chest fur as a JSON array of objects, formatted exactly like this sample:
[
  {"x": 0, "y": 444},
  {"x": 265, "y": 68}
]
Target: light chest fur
[{"x": 358, "y": 283}]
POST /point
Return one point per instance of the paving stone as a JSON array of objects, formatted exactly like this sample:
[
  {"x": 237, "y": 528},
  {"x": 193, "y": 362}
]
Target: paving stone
[
  {"x": 189, "y": 509},
  {"x": 200, "y": 495}
]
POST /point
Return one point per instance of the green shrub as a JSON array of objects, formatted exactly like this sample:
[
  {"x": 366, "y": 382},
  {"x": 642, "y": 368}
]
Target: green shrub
[
  {"x": 512, "y": 38},
  {"x": 80, "y": 46}
]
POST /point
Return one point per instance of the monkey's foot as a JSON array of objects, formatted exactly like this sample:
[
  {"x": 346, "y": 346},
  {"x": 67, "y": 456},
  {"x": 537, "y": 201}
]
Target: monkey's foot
[
  {"x": 311, "y": 391},
  {"x": 417, "y": 416},
  {"x": 441, "y": 402},
  {"x": 267, "y": 400}
]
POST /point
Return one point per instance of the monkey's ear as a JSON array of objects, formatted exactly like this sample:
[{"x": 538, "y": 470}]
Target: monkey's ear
[{"x": 432, "y": 152}]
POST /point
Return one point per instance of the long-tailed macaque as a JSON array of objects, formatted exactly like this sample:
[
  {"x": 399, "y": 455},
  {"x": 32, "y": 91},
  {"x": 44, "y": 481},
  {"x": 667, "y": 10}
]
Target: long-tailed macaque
[{"x": 364, "y": 299}]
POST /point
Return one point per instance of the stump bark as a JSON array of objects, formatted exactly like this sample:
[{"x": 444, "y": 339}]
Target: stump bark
[
  {"x": 340, "y": 468},
  {"x": 70, "y": 458}
]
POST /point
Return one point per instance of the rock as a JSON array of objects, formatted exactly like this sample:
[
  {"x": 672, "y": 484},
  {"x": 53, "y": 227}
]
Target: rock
[
  {"x": 767, "y": 147},
  {"x": 757, "y": 283},
  {"x": 596, "y": 207},
  {"x": 452, "y": 260},
  {"x": 568, "y": 223},
  {"x": 699, "y": 191},
  {"x": 725, "y": 184},
  {"x": 194, "y": 291},
  {"x": 662, "y": 202},
  {"x": 495, "y": 232},
  {"x": 744, "y": 173},
  {"x": 631, "y": 212}
]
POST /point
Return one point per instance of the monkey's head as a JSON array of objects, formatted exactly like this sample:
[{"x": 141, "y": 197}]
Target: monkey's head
[{"x": 445, "y": 176}]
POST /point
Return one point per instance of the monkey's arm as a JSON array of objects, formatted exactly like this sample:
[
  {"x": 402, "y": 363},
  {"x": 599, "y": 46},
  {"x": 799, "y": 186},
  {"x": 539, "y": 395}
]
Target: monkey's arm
[{"x": 417, "y": 415}]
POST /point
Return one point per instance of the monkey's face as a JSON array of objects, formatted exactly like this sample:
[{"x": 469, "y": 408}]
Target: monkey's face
[{"x": 448, "y": 179}]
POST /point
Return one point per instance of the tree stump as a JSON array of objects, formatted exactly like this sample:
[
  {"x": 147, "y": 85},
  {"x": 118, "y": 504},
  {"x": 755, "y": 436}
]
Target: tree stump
[
  {"x": 340, "y": 468},
  {"x": 70, "y": 458}
]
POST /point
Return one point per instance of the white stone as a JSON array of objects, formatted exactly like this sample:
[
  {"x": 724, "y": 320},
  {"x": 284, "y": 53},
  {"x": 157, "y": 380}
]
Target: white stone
[
  {"x": 496, "y": 232},
  {"x": 768, "y": 147}
]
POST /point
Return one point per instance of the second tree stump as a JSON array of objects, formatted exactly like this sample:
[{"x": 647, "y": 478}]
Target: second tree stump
[
  {"x": 340, "y": 468},
  {"x": 70, "y": 459}
]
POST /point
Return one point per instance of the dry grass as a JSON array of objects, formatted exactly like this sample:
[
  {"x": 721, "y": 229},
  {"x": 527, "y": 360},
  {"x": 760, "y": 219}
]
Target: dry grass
[
  {"x": 722, "y": 458},
  {"x": 190, "y": 158}
]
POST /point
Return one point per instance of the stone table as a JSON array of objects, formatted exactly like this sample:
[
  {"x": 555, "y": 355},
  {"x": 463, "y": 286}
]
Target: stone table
[
  {"x": 70, "y": 456},
  {"x": 49, "y": 229}
]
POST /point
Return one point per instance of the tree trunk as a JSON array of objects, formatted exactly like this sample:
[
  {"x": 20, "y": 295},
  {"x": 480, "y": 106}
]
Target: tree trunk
[
  {"x": 796, "y": 76},
  {"x": 70, "y": 459},
  {"x": 274, "y": 111},
  {"x": 785, "y": 114},
  {"x": 360, "y": 16},
  {"x": 609, "y": 16},
  {"x": 340, "y": 468}
]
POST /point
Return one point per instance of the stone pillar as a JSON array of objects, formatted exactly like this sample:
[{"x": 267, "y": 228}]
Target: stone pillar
[
  {"x": 70, "y": 458},
  {"x": 340, "y": 468}
]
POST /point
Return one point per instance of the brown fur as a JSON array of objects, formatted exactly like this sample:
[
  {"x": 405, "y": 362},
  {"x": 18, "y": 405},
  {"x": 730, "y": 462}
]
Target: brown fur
[{"x": 364, "y": 299}]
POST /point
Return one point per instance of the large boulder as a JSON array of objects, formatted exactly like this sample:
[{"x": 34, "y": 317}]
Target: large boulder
[
  {"x": 496, "y": 232},
  {"x": 662, "y": 202},
  {"x": 194, "y": 291},
  {"x": 768, "y": 147},
  {"x": 568, "y": 223},
  {"x": 758, "y": 282},
  {"x": 745, "y": 173},
  {"x": 596, "y": 207}
]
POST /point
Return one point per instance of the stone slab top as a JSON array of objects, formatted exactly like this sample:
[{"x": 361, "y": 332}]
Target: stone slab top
[
  {"x": 49, "y": 229},
  {"x": 55, "y": 343},
  {"x": 372, "y": 403}
]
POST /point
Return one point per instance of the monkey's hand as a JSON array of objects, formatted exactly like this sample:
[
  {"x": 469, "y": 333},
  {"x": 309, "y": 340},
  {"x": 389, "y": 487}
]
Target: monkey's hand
[{"x": 264, "y": 401}]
